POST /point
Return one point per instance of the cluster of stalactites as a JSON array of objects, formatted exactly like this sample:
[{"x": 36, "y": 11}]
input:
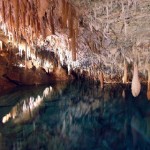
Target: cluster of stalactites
[
  {"x": 17, "y": 16},
  {"x": 69, "y": 19},
  {"x": 25, "y": 18},
  {"x": 32, "y": 18}
]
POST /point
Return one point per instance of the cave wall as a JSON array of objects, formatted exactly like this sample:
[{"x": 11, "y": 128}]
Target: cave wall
[
  {"x": 93, "y": 35},
  {"x": 114, "y": 31}
]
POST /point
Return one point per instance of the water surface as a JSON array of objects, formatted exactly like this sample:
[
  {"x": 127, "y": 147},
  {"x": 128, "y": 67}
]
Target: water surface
[{"x": 75, "y": 116}]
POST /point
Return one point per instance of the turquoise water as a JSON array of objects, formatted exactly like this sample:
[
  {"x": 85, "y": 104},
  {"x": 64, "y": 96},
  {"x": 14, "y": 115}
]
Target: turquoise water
[{"x": 74, "y": 116}]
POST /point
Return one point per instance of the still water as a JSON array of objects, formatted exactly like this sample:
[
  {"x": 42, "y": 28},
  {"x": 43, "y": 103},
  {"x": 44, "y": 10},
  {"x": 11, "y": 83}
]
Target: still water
[{"x": 75, "y": 116}]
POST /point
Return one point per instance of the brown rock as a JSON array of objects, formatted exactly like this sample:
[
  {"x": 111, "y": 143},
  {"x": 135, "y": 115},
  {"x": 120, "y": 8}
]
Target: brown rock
[
  {"x": 24, "y": 76},
  {"x": 60, "y": 74},
  {"x": 5, "y": 85}
]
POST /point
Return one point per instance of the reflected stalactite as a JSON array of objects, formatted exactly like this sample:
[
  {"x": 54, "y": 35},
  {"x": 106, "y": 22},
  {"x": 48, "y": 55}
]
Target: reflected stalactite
[
  {"x": 135, "y": 85},
  {"x": 26, "y": 109},
  {"x": 123, "y": 94}
]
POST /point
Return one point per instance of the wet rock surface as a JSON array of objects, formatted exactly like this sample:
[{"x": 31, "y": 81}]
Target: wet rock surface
[{"x": 12, "y": 75}]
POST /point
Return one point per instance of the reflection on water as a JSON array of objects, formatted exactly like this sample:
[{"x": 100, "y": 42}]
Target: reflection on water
[
  {"x": 76, "y": 116},
  {"x": 24, "y": 110}
]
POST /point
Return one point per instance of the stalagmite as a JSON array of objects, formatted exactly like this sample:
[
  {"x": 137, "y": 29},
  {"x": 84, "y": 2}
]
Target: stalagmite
[{"x": 136, "y": 85}]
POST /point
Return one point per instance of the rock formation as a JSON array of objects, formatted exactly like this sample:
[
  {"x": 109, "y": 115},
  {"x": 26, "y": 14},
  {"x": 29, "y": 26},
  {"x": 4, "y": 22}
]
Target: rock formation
[{"x": 96, "y": 35}]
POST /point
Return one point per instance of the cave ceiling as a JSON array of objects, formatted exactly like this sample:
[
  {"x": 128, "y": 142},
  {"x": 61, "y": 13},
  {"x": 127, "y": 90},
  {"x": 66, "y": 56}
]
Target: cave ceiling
[{"x": 87, "y": 34}]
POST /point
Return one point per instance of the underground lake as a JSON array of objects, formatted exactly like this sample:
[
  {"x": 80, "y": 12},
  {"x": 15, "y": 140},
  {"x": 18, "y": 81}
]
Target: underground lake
[{"x": 75, "y": 116}]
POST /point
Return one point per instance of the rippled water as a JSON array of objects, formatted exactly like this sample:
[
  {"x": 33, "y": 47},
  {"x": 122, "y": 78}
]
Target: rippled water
[{"x": 75, "y": 116}]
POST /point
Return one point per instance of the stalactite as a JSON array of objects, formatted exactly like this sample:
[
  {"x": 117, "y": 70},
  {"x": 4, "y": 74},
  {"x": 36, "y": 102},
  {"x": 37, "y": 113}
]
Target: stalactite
[
  {"x": 76, "y": 27},
  {"x": 70, "y": 22},
  {"x": 73, "y": 30},
  {"x": 28, "y": 20},
  {"x": 25, "y": 54},
  {"x": 1, "y": 45},
  {"x": 31, "y": 20},
  {"x": 3, "y": 11},
  {"x": 43, "y": 27},
  {"x": 20, "y": 50},
  {"x": 52, "y": 22},
  {"x": 36, "y": 28},
  {"x": 10, "y": 17},
  {"x": 107, "y": 13},
  {"x": 148, "y": 85},
  {"x": 23, "y": 23},
  {"x": 23, "y": 16},
  {"x": 73, "y": 47},
  {"x": 65, "y": 10},
  {"x": 135, "y": 86},
  {"x": 124, "y": 19},
  {"x": 125, "y": 72},
  {"x": 17, "y": 18},
  {"x": 62, "y": 13},
  {"x": 28, "y": 52},
  {"x": 101, "y": 78},
  {"x": 31, "y": 37}
]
